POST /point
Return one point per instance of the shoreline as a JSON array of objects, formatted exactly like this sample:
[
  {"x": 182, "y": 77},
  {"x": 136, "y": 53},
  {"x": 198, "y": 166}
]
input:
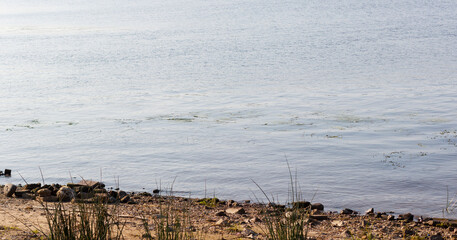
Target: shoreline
[{"x": 211, "y": 217}]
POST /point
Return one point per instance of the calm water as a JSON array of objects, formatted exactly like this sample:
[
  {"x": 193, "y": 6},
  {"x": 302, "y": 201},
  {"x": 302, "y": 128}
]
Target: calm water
[{"x": 359, "y": 96}]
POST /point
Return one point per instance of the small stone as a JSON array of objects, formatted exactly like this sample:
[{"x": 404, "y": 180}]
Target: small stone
[
  {"x": 369, "y": 211},
  {"x": 9, "y": 189},
  {"x": 255, "y": 220},
  {"x": 247, "y": 201},
  {"x": 66, "y": 194},
  {"x": 156, "y": 191},
  {"x": 431, "y": 222},
  {"x": 221, "y": 213},
  {"x": 235, "y": 211},
  {"x": 337, "y": 223},
  {"x": 390, "y": 217},
  {"x": 317, "y": 206},
  {"x": 44, "y": 192},
  {"x": 347, "y": 211},
  {"x": 222, "y": 222}
]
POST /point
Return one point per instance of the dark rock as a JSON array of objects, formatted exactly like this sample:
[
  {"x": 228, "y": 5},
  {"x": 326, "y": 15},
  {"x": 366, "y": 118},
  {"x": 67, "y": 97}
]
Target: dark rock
[
  {"x": 318, "y": 206},
  {"x": 247, "y": 201},
  {"x": 9, "y": 189},
  {"x": 20, "y": 192},
  {"x": 32, "y": 186},
  {"x": 221, "y": 213},
  {"x": 347, "y": 211},
  {"x": 436, "y": 237},
  {"x": 145, "y": 194},
  {"x": 44, "y": 192},
  {"x": 301, "y": 204},
  {"x": 7, "y": 173},
  {"x": 407, "y": 217},
  {"x": 113, "y": 194},
  {"x": 122, "y": 194},
  {"x": 319, "y": 217},
  {"x": 66, "y": 194},
  {"x": 156, "y": 191}
]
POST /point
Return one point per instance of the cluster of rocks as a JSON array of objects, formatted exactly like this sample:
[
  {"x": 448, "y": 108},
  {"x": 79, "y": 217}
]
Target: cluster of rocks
[{"x": 84, "y": 191}]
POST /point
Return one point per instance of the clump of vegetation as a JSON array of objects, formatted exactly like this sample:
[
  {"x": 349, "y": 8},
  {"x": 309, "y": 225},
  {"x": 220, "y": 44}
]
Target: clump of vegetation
[
  {"x": 83, "y": 221},
  {"x": 209, "y": 202},
  {"x": 288, "y": 223}
]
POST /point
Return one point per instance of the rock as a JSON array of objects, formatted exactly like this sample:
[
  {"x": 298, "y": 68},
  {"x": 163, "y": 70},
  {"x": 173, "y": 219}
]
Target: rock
[
  {"x": 84, "y": 195},
  {"x": 347, "y": 211},
  {"x": 255, "y": 220},
  {"x": 235, "y": 211},
  {"x": 407, "y": 217},
  {"x": 317, "y": 206},
  {"x": 113, "y": 194},
  {"x": 430, "y": 222},
  {"x": 101, "y": 197},
  {"x": 122, "y": 194},
  {"x": 32, "y": 186},
  {"x": 249, "y": 232},
  {"x": 391, "y": 217},
  {"x": 9, "y": 189},
  {"x": 91, "y": 184},
  {"x": 301, "y": 204},
  {"x": 28, "y": 196},
  {"x": 369, "y": 211},
  {"x": 44, "y": 192},
  {"x": 337, "y": 223},
  {"x": 247, "y": 201},
  {"x": 125, "y": 199},
  {"x": 436, "y": 237},
  {"x": 222, "y": 222},
  {"x": 221, "y": 214},
  {"x": 319, "y": 217},
  {"x": 20, "y": 193},
  {"x": 66, "y": 194},
  {"x": 74, "y": 186},
  {"x": 156, "y": 191}
]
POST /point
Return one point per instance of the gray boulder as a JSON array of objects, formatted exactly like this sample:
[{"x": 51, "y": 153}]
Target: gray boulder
[{"x": 66, "y": 194}]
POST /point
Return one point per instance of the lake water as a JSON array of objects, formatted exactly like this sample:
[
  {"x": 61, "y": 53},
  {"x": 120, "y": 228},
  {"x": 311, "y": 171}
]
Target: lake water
[{"x": 359, "y": 96}]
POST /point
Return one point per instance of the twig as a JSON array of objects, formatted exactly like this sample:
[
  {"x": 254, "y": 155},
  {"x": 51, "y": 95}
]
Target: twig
[
  {"x": 42, "y": 177},
  {"x": 22, "y": 178}
]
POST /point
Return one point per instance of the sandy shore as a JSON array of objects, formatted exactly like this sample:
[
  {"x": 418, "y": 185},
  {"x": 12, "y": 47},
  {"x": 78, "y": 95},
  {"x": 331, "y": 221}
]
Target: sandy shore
[{"x": 26, "y": 219}]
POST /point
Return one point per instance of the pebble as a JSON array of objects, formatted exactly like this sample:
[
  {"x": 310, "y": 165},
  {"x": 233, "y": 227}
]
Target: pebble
[
  {"x": 235, "y": 211},
  {"x": 9, "y": 189}
]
